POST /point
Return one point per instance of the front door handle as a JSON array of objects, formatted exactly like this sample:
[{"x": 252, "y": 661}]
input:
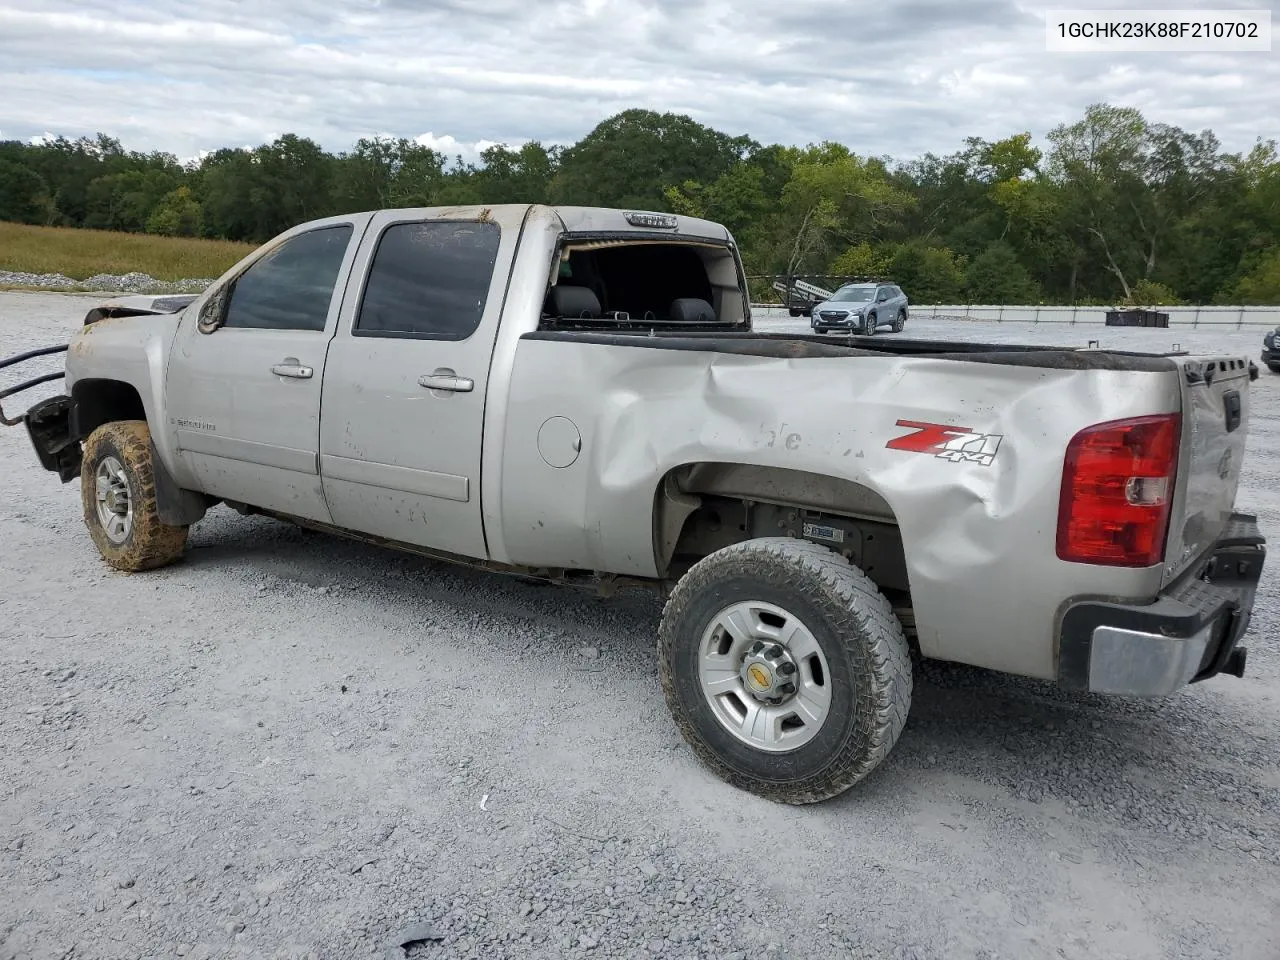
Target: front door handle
[
  {"x": 447, "y": 381},
  {"x": 292, "y": 368}
]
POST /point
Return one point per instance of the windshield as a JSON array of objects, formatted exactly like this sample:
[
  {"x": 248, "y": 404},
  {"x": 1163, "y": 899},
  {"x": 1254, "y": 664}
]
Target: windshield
[{"x": 853, "y": 294}]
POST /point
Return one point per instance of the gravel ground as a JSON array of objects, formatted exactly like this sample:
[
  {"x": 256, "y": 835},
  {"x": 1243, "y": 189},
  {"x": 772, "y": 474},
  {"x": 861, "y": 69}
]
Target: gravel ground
[
  {"x": 101, "y": 282},
  {"x": 293, "y": 746}
]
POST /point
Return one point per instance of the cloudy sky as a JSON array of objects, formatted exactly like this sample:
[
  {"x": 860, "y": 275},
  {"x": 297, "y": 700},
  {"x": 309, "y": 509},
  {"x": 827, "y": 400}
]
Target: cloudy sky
[{"x": 896, "y": 78}]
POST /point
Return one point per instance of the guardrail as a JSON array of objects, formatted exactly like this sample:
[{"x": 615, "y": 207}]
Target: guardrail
[{"x": 1202, "y": 316}]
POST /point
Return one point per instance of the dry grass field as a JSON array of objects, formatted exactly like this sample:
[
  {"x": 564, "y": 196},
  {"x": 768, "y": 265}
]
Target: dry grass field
[{"x": 79, "y": 254}]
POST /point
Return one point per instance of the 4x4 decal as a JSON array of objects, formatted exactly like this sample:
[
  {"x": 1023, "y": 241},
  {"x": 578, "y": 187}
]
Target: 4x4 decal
[{"x": 957, "y": 444}]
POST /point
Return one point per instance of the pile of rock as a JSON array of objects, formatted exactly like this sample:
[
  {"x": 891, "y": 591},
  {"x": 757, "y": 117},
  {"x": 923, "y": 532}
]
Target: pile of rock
[{"x": 102, "y": 282}]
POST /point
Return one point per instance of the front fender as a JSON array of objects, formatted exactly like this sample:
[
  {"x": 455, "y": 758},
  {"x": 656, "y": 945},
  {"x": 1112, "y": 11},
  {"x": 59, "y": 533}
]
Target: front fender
[{"x": 132, "y": 349}]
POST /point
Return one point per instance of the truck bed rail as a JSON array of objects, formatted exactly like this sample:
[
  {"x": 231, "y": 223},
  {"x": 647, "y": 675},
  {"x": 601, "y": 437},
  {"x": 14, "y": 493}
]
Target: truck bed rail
[{"x": 26, "y": 385}]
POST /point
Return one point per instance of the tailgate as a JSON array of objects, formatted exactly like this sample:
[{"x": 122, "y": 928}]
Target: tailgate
[{"x": 1215, "y": 417}]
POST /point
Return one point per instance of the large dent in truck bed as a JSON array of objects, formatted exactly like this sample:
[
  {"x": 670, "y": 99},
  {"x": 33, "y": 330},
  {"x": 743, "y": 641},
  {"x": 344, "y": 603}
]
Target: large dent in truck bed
[{"x": 979, "y": 539}]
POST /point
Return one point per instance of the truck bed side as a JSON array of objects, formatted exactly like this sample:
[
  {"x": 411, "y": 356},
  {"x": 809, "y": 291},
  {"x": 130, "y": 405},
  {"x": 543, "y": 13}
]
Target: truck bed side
[{"x": 593, "y": 428}]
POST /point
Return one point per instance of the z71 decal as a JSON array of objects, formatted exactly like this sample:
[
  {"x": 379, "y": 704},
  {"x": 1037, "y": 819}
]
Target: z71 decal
[{"x": 957, "y": 444}]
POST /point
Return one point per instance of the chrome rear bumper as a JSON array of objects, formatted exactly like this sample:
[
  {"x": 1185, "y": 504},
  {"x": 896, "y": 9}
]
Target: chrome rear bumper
[{"x": 1191, "y": 632}]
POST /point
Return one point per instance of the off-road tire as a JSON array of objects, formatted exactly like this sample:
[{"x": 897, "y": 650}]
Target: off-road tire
[
  {"x": 861, "y": 639},
  {"x": 150, "y": 543},
  {"x": 869, "y": 325},
  {"x": 899, "y": 321}
]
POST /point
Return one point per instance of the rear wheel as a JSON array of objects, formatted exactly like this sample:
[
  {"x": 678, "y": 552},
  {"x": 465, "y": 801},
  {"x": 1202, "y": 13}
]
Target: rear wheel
[
  {"x": 118, "y": 493},
  {"x": 1274, "y": 367},
  {"x": 899, "y": 321},
  {"x": 784, "y": 668}
]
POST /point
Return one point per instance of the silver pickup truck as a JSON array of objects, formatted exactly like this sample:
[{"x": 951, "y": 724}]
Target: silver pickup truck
[{"x": 578, "y": 394}]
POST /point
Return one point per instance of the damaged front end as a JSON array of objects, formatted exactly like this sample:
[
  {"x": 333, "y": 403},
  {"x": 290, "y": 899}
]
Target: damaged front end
[
  {"x": 8, "y": 392},
  {"x": 48, "y": 421}
]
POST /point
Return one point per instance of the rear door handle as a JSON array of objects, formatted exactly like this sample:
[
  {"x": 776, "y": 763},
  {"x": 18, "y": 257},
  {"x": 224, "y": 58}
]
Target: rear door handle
[
  {"x": 449, "y": 382},
  {"x": 292, "y": 368}
]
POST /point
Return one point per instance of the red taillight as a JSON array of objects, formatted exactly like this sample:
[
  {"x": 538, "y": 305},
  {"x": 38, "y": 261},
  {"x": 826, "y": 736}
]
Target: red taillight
[{"x": 1117, "y": 491}]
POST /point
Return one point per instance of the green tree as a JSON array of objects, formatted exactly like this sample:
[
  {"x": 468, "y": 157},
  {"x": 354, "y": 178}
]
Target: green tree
[
  {"x": 863, "y": 260},
  {"x": 23, "y": 194},
  {"x": 745, "y": 199},
  {"x": 1127, "y": 184},
  {"x": 256, "y": 194},
  {"x": 419, "y": 179},
  {"x": 1098, "y": 160},
  {"x": 630, "y": 159},
  {"x": 1120, "y": 208},
  {"x": 516, "y": 176},
  {"x": 996, "y": 276},
  {"x": 927, "y": 274},
  {"x": 177, "y": 215},
  {"x": 384, "y": 172},
  {"x": 835, "y": 199},
  {"x": 125, "y": 201},
  {"x": 224, "y": 186},
  {"x": 1150, "y": 293},
  {"x": 1261, "y": 285}
]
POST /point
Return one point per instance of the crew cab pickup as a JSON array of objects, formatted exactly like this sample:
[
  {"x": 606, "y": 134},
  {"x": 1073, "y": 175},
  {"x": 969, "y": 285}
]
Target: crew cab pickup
[{"x": 579, "y": 394}]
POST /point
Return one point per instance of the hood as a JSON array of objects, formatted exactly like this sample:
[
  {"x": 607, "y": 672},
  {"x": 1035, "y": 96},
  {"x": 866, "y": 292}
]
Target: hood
[
  {"x": 139, "y": 306},
  {"x": 853, "y": 306}
]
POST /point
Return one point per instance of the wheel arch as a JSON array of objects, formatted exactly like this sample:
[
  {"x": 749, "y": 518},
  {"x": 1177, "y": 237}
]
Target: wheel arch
[
  {"x": 851, "y": 518},
  {"x": 98, "y": 401}
]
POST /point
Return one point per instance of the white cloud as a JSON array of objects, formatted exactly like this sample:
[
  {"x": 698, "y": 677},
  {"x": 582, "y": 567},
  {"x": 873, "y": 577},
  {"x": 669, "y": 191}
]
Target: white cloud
[
  {"x": 446, "y": 144},
  {"x": 887, "y": 79},
  {"x": 452, "y": 147}
]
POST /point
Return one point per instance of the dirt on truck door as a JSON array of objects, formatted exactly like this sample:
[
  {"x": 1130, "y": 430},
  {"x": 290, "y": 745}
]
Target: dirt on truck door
[{"x": 402, "y": 419}]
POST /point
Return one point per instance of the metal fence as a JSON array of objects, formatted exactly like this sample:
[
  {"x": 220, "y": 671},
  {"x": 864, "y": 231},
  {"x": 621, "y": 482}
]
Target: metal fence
[{"x": 1202, "y": 316}]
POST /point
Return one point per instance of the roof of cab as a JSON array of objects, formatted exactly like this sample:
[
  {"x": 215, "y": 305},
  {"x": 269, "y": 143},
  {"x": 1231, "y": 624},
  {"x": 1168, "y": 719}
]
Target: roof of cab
[{"x": 576, "y": 219}]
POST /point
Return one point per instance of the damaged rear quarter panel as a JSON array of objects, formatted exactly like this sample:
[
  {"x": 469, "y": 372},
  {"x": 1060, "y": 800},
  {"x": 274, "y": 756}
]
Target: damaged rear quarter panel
[{"x": 980, "y": 540}]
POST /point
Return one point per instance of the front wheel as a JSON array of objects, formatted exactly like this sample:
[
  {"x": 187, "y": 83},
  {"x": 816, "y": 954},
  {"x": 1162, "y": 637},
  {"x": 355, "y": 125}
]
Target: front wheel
[
  {"x": 784, "y": 668},
  {"x": 1274, "y": 367},
  {"x": 118, "y": 493},
  {"x": 869, "y": 327}
]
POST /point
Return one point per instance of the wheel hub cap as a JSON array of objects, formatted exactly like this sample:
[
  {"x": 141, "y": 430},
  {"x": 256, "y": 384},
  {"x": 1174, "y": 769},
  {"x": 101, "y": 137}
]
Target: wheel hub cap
[
  {"x": 114, "y": 504},
  {"x": 768, "y": 672},
  {"x": 764, "y": 675}
]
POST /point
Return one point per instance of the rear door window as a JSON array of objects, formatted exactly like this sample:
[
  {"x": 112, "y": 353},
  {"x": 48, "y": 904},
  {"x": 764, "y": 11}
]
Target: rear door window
[{"x": 429, "y": 280}]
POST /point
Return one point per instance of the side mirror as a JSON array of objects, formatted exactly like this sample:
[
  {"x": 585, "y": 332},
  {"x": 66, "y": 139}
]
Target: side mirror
[{"x": 214, "y": 311}]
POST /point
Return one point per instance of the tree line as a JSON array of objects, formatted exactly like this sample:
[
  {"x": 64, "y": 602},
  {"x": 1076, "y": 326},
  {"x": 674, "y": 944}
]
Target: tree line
[{"x": 1118, "y": 209}]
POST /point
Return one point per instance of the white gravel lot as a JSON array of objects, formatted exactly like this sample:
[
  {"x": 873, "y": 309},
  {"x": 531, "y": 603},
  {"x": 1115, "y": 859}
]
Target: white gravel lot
[{"x": 279, "y": 748}]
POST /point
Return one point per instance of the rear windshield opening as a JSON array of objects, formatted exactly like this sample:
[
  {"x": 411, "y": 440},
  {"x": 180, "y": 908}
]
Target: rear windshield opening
[{"x": 644, "y": 283}]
